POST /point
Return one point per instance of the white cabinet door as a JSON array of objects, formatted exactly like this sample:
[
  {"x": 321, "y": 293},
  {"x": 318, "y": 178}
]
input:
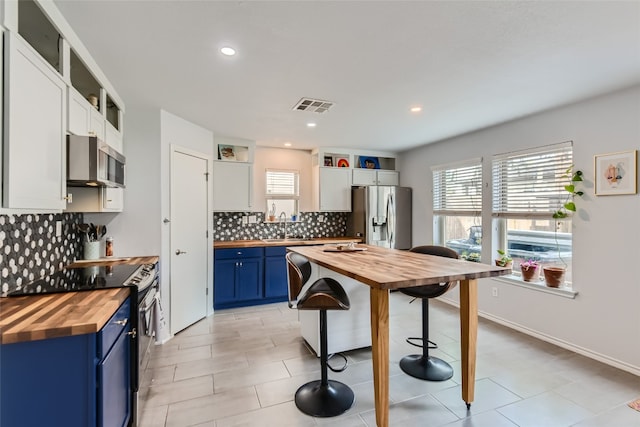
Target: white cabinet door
[
  {"x": 113, "y": 137},
  {"x": 364, "y": 177},
  {"x": 79, "y": 113},
  {"x": 35, "y": 123},
  {"x": 97, "y": 124},
  {"x": 375, "y": 177},
  {"x": 335, "y": 189},
  {"x": 112, "y": 199},
  {"x": 232, "y": 186},
  {"x": 388, "y": 177}
]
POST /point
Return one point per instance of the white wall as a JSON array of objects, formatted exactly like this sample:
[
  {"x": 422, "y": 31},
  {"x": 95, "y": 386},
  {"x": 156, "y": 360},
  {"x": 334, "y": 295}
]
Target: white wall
[
  {"x": 603, "y": 321},
  {"x": 136, "y": 231},
  {"x": 284, "y": 159}
]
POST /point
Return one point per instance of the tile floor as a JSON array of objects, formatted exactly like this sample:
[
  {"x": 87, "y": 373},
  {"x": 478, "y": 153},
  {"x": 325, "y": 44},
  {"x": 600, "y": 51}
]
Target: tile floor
[{"x": 241, "y": 367}]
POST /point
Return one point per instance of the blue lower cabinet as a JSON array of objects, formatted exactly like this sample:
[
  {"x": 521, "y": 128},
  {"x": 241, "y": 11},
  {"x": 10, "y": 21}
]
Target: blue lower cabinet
[
  {"x": 249, "y": 276},
  {"x": 238, "y": 277},
  {"x": 275, "y": 274},
  {"x": 76, "y": 381}
]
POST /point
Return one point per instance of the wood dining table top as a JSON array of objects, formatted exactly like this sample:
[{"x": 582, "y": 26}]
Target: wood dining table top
[{"x": 390, "y": 269}]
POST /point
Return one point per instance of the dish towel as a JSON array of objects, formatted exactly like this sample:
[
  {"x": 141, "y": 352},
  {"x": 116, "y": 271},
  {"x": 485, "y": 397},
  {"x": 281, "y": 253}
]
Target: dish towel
[{"x": 635, "y": 404}]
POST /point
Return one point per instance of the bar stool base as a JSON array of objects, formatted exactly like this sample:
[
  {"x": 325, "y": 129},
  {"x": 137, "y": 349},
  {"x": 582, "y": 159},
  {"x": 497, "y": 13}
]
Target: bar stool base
[
  {"x": 329, "y": 400},
  {"x": 426, "y": 368}
]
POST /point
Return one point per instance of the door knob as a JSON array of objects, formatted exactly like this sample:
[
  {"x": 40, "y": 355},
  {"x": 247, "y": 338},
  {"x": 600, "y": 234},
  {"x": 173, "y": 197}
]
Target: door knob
[{"x": 178, "y": 252}]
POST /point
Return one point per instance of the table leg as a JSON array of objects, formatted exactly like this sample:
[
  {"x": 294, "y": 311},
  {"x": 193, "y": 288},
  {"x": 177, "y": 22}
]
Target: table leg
[
  {"x": 380, "y": 352},
  {"x": 468, "y": 336}
]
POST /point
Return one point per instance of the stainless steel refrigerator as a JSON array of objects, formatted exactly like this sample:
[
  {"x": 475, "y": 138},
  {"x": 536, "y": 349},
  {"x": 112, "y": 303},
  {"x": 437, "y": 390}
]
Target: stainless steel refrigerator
[{"x": 381, "y": 216}]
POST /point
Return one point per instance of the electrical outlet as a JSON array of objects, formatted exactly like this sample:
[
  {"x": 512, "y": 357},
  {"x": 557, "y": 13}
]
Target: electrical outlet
[
  {"x": 245, "y": 220},
  {"x": 58, "y": 228},
  {"x": 320, "y": 218},
  {"x": 494, "y": 292}
]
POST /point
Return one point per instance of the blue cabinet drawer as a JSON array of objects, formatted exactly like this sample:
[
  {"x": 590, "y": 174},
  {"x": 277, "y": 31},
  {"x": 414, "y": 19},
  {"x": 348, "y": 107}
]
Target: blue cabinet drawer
[
  {"x": 275, "y": 251},
  {"x": 118, "y": 323},
  {"x": 239, "y": 253}
]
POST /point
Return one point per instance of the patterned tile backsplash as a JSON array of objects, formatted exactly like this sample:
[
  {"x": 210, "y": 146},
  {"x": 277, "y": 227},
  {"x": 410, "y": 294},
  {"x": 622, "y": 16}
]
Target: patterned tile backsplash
[
  {"x": 29, "y": 248},
  {"x": 229, "y": 226}
]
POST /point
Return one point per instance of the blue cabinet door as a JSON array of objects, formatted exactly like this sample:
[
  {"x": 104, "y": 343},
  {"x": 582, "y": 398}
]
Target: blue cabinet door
[
  {"x": 275, "y": 277},
  {"x": 224, "y": 282},
  {"x": 114, "y": 403},
  {"x": 249, "y": 279}
]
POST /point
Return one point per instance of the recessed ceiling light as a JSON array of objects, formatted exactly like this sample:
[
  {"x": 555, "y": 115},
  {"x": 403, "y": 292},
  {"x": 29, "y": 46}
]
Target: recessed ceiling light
[
  {"x": 287, "y": 144},
  {"x": 311, "y": 125},
  {"x": 415, "y": 109},
  {"x": 229, "y": 51}
]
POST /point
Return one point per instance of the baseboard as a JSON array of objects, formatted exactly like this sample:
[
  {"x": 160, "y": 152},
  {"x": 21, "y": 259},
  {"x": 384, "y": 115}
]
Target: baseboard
[{"x": 635, "y": 370}]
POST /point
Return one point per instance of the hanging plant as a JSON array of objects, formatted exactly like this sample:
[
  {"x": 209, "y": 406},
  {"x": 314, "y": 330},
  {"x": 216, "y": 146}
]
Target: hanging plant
[{"x": 570, "y": 188}]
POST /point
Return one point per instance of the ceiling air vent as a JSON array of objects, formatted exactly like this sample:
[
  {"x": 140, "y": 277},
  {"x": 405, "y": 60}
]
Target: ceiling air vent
[{"x": 313, "y": 105}]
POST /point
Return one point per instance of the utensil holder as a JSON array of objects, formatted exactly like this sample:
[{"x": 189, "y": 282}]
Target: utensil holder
[{"x": 91, "y": 250}]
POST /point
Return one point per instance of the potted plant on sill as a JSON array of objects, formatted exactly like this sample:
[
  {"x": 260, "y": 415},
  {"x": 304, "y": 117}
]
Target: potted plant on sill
[
  {"x": 554, "y": 274},
  {"x": 505, "y": 260},
  {"x": 530, "y": 270}
]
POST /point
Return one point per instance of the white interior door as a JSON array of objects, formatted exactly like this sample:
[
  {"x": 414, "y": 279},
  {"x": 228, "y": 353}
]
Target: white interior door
[{"x": 189, "y": 241}]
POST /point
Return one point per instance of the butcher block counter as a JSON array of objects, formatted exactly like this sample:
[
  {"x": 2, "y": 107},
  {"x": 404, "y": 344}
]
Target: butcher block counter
[
  {"x": 53, "y": 315},
  {"x": 38, "y": 317},
  {"x": 101, "y": 262},
  {"x": 233, "y": 244}
]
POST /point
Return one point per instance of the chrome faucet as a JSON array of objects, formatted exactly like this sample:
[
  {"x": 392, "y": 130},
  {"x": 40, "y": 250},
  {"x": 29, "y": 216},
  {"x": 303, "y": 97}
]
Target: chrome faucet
[{"x": 283, "y": 221}]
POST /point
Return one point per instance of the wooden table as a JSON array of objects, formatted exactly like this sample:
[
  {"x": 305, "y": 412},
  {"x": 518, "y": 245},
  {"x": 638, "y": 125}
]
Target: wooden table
[{"x": 385, "y": 269}]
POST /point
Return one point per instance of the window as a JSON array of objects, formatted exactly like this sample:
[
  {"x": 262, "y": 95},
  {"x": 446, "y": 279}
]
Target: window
[
  {"x": 457, "y": 204},
  {"x": 528, "y": 187},
  {"x": 282, "y": 193}
]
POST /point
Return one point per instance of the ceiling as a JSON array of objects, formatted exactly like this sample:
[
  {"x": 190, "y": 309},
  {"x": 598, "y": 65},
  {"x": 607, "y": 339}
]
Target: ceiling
[{"x": 469, "y": 64}]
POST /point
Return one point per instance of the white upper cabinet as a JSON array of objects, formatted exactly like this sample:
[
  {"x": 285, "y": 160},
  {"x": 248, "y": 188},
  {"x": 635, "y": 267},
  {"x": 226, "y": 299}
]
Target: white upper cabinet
[
  {"x": 84, "y": 118},
  {"x": 375, "y": 177},
  {"x": 332, "y": 189},
  {"x": 35, "y": 118},
  {"x": 232, "y": 186}
]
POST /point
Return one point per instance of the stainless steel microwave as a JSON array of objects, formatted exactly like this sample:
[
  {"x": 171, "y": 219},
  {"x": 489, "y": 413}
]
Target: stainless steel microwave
[{"x": 91, "y": 162}]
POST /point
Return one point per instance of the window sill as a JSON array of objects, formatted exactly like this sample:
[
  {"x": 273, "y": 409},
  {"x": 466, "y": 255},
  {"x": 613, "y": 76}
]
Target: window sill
[{"x": 537, "y": 286}]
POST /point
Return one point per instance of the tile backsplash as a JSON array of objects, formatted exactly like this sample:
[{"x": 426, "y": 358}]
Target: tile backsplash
[
  {"x": 30, "y": 249},
  {"x": 229, "y": 226}
]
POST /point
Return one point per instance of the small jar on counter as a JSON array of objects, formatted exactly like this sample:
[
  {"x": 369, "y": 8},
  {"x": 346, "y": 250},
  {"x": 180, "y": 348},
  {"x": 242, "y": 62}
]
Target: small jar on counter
[{"x": 108, "y": 247}]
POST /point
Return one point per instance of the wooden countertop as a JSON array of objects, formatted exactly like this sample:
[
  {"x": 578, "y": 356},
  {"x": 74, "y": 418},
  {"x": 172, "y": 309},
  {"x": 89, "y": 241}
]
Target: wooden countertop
[
  {"x": 38, "y": 317},
  {"x": 384, "y": 268},
  {"x": 230, "y": 244},
  {"x": 134, "y": 260}
]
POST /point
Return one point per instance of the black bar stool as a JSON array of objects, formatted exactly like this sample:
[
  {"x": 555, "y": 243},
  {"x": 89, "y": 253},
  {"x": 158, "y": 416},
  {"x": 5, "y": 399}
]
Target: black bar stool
[
  {"x": 423, "y": 366},
  {"x": 324, "y": 397}
]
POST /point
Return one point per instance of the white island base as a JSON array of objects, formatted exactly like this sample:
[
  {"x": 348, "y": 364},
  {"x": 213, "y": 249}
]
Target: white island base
[{"x": 346, "y": 329}]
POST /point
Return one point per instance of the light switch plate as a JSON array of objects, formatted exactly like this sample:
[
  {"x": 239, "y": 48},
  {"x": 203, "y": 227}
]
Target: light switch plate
[
  {"x": 252, "y": 219},
  {"x": 58, "y": 228},
  {"x": 245, "y": 220}
]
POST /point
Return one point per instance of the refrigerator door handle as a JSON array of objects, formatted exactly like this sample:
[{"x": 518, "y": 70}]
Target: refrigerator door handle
[{"x": 391, "y": 219}]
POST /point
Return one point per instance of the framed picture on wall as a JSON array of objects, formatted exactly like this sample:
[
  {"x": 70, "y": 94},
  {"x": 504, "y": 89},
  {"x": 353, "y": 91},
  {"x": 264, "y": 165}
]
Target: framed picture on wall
[
  {"x": 369, "y": 162},
  {"x": 328, "y": 161},
  {"x": 616, "y": 173},
  {"x": 227, "y": 152},
  {"x": 341, "y": 162}
]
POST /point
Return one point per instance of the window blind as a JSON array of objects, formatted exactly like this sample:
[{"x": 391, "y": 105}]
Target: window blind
[
  {"x": 530, "y": 184},
  {"x": 282, "y": 183},
  {"x": 457, "y": 188}
]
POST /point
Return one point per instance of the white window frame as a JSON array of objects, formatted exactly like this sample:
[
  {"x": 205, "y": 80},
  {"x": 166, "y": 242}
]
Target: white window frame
[
  {"x": 512, "y": 192},
  {"x": 451, "y": 193},
  {"x": 294, "y": 195}
]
